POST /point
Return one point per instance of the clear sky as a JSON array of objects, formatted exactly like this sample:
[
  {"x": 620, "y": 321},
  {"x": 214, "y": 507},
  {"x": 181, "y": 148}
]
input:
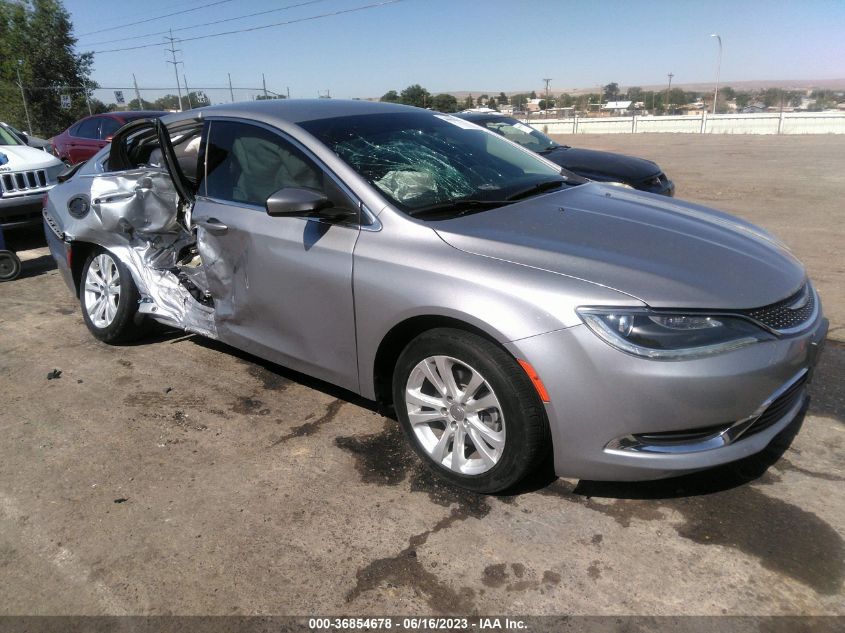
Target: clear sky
[{"x": 457, "y": 45}]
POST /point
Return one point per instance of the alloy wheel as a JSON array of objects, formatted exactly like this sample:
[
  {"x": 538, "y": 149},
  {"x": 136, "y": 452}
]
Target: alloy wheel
[
  {"x": 455, "y": 415},
  {"x": 102, "y": 290}
]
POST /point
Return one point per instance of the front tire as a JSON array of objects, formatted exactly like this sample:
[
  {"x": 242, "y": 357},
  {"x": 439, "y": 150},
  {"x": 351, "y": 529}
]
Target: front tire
[
  {"x": 109, "y": 298},
  {"x": 469, "y": 410}
]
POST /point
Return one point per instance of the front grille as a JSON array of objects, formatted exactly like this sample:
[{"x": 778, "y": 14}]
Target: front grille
[
  {"x": 779, "y": 407},
  {"x": 788, "y": 314},
  {"x": 21, "y": 181}
]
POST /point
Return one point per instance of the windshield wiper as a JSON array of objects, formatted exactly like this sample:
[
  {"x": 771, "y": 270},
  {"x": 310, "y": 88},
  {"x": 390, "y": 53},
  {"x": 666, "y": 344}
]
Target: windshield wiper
[
  {"x": 456, "y": 207},
  {"x": 533, "y": 190}
]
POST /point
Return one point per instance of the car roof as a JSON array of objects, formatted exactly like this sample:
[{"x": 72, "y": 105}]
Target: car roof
[
  {"x": 298, "y": 110},
  {"x": 483, "y": 116}
]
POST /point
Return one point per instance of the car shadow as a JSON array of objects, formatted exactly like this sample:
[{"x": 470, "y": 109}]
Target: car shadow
[
  {"x": 36, "y": 266},
  {"x": 283, "y": 372}
]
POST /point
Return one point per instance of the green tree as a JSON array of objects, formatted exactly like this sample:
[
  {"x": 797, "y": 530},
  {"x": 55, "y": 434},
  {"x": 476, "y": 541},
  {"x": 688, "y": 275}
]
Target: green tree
[
  {"x": 168, "y": 102},
  {"x": 533, "y": 95},
  {"x": 611, "y": 91},
  {"x": 416, "y": 95},
  {"x": 143, "y": 104},
  {"x": 503, "y": 99},
  {"x": 391, "y": 96},
  {"x": 444, "y": 103},
  {"x": 481, "y": 100},
  {"x": 743, "y": 99},
  {"x": 468, "y": 102},
  {"x": 492, "y": 103},
  {"x": 519, "y": 101},
  {"x": 36, "y": 39},
  {"x": 635, "y": 94}
]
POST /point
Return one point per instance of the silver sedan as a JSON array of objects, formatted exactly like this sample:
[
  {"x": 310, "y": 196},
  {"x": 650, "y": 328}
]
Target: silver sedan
[{"x": 509, "y": 311}]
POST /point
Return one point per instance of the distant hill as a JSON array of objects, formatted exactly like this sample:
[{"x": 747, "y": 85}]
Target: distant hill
[{"x": 757, "y": 84}]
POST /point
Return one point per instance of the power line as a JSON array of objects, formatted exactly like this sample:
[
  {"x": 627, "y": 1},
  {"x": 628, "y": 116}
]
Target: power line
[
  {"x": 258, "y": 28},
  {"x": 196, "y": 26},
  {"x": 160, "y": 17}
]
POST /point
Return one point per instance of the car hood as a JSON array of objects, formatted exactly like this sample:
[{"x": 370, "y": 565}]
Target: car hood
[
  {"x": 666, "y": 253},
  {"x": 603, "y": 165},
  {"x": 19, "y": 157}
]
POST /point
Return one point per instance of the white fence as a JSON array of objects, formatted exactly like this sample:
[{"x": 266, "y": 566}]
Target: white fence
[{"x": 704, "y": 123}]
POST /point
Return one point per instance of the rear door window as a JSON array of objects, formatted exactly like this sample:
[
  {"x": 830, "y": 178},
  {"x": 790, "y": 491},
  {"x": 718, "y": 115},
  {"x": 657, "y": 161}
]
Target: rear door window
[
  {"x": 89, "y": 128},
  {"x": 108, "y": 127}
]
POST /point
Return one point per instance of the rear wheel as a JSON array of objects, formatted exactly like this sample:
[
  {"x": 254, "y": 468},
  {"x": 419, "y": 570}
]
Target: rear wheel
[
  {"x": 469, "y": 410},
  {"x": 109, "y": 298}
]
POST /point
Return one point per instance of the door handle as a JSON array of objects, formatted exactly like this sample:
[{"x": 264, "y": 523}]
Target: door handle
[{"x": 213, "y": 226}]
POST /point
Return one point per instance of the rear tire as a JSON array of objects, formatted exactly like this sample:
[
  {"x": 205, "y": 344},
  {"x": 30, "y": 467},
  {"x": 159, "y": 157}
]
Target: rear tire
[
  {"x": 469, "y": 410},
  {"x": 10, "y": 266},
  {"x": 109, "y": 298}
]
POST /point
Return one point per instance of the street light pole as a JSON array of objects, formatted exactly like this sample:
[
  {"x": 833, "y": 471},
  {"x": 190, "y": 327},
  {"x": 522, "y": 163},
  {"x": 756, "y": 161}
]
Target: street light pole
[{"x": 718, "y": 71}]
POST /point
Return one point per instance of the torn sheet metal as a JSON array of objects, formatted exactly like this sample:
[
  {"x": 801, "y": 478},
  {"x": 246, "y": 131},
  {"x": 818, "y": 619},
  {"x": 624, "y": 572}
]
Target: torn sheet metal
[{"x": 134, "y": 215}]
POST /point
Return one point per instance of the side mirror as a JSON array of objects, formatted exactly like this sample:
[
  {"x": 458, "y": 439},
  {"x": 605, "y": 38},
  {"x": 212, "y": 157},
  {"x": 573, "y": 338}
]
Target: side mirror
[{"x": 301, "y": 202}]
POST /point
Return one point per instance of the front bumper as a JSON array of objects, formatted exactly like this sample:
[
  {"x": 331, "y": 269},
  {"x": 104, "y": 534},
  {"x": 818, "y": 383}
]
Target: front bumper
[
  {"x": 21, "y": 211},
  {"x": 601, "y": 397}
]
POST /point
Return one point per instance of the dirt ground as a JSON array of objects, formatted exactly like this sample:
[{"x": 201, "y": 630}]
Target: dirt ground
[{"x": 178, "y": 476}]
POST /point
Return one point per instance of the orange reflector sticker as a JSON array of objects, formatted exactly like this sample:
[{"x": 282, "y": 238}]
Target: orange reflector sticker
[{"x": 538, "y": 384}]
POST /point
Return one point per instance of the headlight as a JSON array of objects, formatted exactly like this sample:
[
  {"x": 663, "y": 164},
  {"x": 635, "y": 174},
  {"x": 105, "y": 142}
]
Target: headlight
[{"x": 670, "y": 336}]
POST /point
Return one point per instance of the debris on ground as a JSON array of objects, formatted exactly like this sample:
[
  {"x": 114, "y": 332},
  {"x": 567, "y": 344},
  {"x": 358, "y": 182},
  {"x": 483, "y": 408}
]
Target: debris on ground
[
  {"x": 55, "y": 374},
  {"x": 120, "y": 500}
]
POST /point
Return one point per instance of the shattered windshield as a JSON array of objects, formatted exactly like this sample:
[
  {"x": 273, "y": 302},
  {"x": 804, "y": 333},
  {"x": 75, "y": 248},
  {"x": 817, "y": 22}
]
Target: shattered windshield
[
  {"x": 427, "y": 163},
  {"x": 518, "y": 132}
]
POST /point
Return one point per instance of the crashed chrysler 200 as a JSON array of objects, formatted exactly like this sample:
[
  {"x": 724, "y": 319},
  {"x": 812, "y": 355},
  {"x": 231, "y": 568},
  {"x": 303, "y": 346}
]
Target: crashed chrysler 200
[{"x": 412, "y": 257}]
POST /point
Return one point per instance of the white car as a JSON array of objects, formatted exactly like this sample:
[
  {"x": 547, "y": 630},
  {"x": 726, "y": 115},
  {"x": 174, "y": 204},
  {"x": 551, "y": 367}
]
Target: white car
[{"x": 26, "y": 174}]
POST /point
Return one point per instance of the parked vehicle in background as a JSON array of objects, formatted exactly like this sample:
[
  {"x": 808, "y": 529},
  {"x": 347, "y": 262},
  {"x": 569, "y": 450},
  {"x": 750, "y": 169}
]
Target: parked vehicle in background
[
  {"x": 415, "y": 258},
  {"x": 29, "y": 139},
  {"x": 26, "y": 174},
  {"x": 638, "y": 173},
  {"x": 88, "y": 136}
]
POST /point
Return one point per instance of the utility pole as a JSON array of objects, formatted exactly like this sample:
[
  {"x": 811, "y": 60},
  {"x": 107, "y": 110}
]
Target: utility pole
[
  {"x": 264, "y": 84},
  {"x": 718, "y": 72},
  {"x": 666, "y": 105},
  {"x": 87, "y": 98},
  {"x": 548, "y": 81},
  {"x": 173, "y": 52},
  {"x": 137, "y": 92},
  {"x": 187, "y": 92},
  {"x": 231, "y": 92},
  {"x": 23, "y": 97},
  {"x": 287, "y": 88}
]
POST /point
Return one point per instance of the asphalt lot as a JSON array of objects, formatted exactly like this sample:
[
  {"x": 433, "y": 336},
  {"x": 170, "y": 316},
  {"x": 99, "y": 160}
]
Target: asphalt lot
[{"x": 178, "y": 476}]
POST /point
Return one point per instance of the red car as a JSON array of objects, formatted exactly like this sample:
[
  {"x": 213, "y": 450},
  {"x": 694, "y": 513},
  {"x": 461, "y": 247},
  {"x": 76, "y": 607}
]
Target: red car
[{"x": 88, "y": 136}]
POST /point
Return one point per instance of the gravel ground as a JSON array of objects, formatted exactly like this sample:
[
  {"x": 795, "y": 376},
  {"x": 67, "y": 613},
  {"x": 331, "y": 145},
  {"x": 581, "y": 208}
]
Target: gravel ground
[{"x": 179, "y": 476}]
